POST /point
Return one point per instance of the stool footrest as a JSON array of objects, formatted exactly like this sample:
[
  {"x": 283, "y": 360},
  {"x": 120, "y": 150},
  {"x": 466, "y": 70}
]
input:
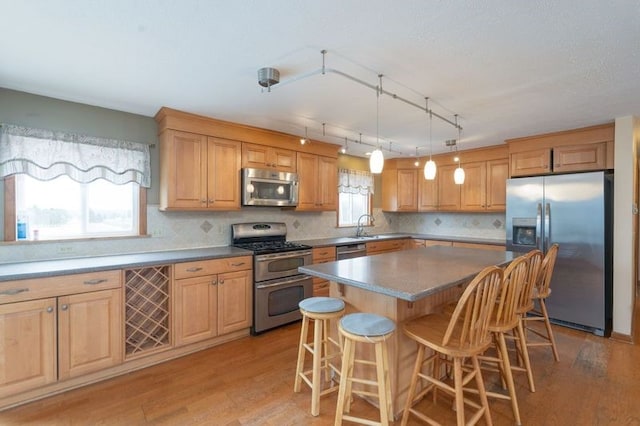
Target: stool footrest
[{"x": 361, "y": 420}]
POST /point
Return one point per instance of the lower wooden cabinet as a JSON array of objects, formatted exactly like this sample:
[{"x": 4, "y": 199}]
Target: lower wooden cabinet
[
  {"x": 209, "y": 305},
  {"x": 480, "y": 246},
  {"x": 28, "y": 356},
  {"x": 52, "y": 339},
  {"x": 89, "y": 332},
  {"x": 386, "y": 246},
  {"x": 322, "y": 255}
]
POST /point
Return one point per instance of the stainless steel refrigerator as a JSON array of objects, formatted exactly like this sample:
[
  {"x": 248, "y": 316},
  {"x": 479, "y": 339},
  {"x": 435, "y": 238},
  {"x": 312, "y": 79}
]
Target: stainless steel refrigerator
[{"x": 575, "y": 211}]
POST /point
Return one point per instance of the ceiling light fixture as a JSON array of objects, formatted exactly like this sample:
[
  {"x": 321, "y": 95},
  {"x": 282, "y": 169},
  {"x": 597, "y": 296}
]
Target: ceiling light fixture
[
  {"x": 376, "y": 161},
  {"x": 344, "y": 148},
  {"x": 267, "y": 77},
  {"x": 306, "y": 138},
  {"x": 430, "y": 166},
  {"x": 458, "y": 174},
  {"x": 417, "y": 162}
]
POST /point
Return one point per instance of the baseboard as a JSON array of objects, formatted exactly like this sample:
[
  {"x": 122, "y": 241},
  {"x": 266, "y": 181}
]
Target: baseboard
[{"x": 619, "y": 337}]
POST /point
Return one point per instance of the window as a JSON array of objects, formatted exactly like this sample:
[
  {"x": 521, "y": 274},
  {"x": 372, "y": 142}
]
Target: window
[
  {"x": 68, "y": 185},
  {"x": 63, "y": 208},
  {"x": 355, "y": 188}
]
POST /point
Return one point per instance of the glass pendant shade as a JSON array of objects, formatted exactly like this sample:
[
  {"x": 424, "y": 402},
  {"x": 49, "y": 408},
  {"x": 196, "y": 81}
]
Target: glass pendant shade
[
  {"x": 430, "y": 170},
  {"x": 376, "y": 161},
  {"x": 458, "y": 176}
]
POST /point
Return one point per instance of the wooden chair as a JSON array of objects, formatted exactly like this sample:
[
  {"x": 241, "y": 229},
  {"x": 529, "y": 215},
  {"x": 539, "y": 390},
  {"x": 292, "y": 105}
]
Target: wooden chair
[
  {"x": 541, "y": 291},
  {"x": 525, "y": 305},
  {"x": 320, "y": 310},
  {"x": 504, "y": 321},
  {"x": 464, "y": 334}
]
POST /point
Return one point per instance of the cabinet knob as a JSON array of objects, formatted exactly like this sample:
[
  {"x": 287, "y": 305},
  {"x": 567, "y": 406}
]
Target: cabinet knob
[
  {"x": 221, "y": 282},
  {"x": 64, "y": 307},
  {"x": 210, "y": 201},
  {"x": 203, "y": 201},
  {"x": 50, "y": 309},
  {"x": 214, "y": 282}
]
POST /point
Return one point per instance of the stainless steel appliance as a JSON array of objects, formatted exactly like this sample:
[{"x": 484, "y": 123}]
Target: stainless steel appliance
[
  {"x": 350, "y": 251},
  {"x": 269, "y": 188},
  {"x": 278, "y": 286},
  {"x": 575, "y": 211}
]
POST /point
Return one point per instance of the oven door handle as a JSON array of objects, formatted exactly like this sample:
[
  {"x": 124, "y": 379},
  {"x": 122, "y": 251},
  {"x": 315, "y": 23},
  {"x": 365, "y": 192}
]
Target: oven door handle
[
  {"x": 297, "y": 278},
  {"x": 267, "y": 257}
]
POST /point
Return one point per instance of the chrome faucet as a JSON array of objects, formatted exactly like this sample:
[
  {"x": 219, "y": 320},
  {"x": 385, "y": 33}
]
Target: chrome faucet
[{"x": 360, "y": 227}]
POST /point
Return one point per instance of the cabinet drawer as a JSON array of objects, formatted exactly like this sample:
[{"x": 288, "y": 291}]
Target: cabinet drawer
[
  {"x": 37, "y": 288},
  {"x": 214, "y": 266},
  {"x": 324, "y": 253},
  {"x": 388, "y": 245}
]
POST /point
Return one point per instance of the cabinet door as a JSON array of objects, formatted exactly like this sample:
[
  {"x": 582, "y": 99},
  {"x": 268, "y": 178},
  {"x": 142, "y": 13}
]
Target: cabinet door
[
  {"x": 327, "y": 181},
  {"x": 183, "y": 170},
  {"x": 407, "y": 190},
  {"x": 473, "y": 190},
  {"x": 90, "y": 332},
  {"x": 284, "y": 160},
  {"x": 234, "y": 301},
  {"x": 448, "y": 191},
  {"x": 223, "y": 177},
  {"x": 530, "y": 163},
  {"x": 428, "y": 195},
  {"x": 27, "y": 345},
  {"x": 255, "y": 156},
  {"x": 576, "y": 158},
  {"x": 497, "y": 175},
  {"x": 195, "y": 305},
  {"x": 307, "y": 175}
]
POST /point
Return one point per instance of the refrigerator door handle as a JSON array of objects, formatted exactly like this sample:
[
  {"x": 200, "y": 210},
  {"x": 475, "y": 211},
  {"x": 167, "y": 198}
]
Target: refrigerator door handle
[
  {"x": 538, "y": 226},
  {"x": 547, "y": 226}
]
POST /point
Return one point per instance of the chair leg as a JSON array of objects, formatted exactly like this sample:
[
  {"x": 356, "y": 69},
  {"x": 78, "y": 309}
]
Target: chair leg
[
  {"x": 412, "y": 386},
  {"x": 458, "y": 385},
  {"x": 508, "y": 376},
  {"x": 325, "y": 350},
  {"x": 525, "y": 355},
  {"x": 387, "y": 381},
  {"x": 381, "y": 374},
  {"x": 315, "y": 375},
  {"x": 344, "y": 394},
  {"x": 547, "y": 324},
  {"x": 301, "y": 354},
  {"x": 482, "y": 393}
]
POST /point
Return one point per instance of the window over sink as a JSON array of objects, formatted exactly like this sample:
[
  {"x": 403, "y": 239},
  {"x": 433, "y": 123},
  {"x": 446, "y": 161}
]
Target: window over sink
[{"x": 355, "y": 190}]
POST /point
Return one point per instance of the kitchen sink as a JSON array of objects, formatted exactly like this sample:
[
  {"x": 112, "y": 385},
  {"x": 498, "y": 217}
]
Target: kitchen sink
[{"x": 366, "y": 237}]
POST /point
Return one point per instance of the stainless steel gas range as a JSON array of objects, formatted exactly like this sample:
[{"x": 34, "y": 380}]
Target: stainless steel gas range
[{"x": 278, "y": 286}]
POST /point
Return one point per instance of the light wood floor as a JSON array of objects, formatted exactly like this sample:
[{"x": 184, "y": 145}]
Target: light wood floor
[{"x": 250, "y": 382}]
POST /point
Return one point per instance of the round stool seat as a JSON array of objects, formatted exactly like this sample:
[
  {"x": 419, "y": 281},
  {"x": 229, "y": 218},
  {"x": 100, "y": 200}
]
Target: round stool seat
[
  {"x": 366, "y": 324},
  {"x": 321, "y": 305}
]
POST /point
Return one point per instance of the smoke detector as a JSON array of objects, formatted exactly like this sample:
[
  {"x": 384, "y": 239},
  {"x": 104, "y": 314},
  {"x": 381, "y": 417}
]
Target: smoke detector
[{"x": 268, "y": 77}]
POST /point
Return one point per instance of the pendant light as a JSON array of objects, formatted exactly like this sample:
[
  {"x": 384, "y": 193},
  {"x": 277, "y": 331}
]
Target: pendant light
[
  {"x": 430, "y": 166},
  {"x": 417, "y": 162},
  {"x": 458, "y": 174},
  {"x": 376, "y": 161}
]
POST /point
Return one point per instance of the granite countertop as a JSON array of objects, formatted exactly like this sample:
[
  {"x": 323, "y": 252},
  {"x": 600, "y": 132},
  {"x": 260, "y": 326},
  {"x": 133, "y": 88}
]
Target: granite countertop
[
  {"x": 47, "y": 268},
  {"x": 341, "y": 241},
  {"x": 410, "y": 274}
]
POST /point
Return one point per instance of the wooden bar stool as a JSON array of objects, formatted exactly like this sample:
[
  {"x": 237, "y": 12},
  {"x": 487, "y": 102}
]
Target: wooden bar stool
[
  {"x": 320, "y": 310},
  {"x": 369, "y": 329}
]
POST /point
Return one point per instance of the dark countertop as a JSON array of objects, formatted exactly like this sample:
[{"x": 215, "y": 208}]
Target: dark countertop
[
  {"x": 47, "y": 268},
  {"x": 410, "y": 274},
  {"x": 341, "y": 241}
]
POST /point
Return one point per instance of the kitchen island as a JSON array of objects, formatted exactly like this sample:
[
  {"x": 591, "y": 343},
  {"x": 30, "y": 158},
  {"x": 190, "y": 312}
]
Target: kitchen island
[{"x": 401, "y": 286}]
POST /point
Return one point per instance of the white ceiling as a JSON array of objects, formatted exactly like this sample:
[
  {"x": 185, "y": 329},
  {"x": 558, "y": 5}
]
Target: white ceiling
[{"x": 508, "y": 68}]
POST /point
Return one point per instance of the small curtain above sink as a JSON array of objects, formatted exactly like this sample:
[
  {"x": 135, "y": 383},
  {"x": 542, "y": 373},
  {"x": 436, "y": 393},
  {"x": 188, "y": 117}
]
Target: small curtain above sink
[{"x": 355, "y": 182}]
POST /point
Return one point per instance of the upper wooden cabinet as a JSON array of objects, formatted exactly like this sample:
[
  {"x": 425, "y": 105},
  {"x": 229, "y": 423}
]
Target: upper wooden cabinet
[
  {"x": 427, "y": 193},
  {"x": 318, "y": 183},
  {"x": 266, "y": 157},
  {"x": 585, "y": 149},
  {"x": 199, "y": 172},
  {"x": 399, "y": 187},
  {"x": 485, "y": 185},
  {"x": 448, "y": 190},
  {"x": 322, "y": 255}
]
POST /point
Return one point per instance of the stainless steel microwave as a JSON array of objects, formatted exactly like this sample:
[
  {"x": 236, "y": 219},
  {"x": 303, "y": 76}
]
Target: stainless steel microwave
[{"x": 262, "y": 187}]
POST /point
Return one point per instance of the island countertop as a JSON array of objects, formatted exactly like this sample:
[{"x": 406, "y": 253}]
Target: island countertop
[{"x": 410, "y": 274}]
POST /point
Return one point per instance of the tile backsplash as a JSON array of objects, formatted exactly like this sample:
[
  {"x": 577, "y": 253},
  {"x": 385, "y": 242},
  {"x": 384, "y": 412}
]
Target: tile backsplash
[{"x": 180, "y": 230}]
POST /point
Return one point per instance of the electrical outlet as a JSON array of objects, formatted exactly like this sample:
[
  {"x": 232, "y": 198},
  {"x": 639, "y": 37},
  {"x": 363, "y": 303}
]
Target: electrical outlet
[
  {"x": 157, "y": 232},
  {"x": 65, "y": 249}
]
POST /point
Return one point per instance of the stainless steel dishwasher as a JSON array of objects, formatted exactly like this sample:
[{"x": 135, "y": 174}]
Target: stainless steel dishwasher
[{"x": 350, "y": 251}]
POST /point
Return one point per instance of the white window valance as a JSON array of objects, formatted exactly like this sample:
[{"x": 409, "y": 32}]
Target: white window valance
[
  {"x": 47, "y": 154},
  {"x": 355, "y": 182}
]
